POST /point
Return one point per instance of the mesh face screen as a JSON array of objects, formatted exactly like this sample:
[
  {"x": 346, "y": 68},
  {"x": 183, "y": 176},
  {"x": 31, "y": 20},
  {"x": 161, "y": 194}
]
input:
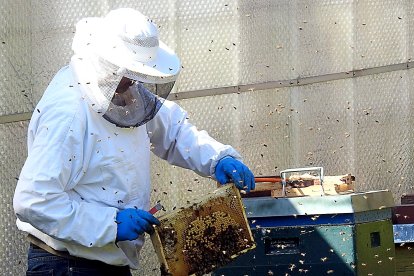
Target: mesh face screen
[
  {"x": 134, "y": 107},
  {"x": 161, "y": 90}
]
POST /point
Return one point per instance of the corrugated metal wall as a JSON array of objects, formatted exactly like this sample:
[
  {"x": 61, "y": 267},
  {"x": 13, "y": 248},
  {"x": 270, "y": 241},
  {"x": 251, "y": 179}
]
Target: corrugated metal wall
[{"x": 292, "y": 83}]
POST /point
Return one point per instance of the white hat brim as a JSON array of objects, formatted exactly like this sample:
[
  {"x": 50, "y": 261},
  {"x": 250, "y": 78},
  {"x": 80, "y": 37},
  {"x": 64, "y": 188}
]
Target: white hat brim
[
  {"x": 166, "y": 65},
  {"x": 163, "y": 67}
]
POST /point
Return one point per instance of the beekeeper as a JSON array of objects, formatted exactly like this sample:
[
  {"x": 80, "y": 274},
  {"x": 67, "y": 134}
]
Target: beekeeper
[{"x": 84, "y": 190}]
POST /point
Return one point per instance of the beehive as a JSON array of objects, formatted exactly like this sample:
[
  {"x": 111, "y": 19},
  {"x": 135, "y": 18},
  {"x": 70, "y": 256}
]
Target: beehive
[
  {"x": 349, "y": 234},
  {"x": 206, "y": 234}
]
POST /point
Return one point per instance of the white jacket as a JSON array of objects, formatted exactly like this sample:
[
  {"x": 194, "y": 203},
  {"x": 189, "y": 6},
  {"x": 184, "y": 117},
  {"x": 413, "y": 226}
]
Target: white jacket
[{"x": 81, "y": 170}]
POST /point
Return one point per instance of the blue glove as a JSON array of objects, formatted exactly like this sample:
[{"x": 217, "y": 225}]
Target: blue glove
[
  {"x": 134, "y": 222},
  {"x": 229, "y": 170}
]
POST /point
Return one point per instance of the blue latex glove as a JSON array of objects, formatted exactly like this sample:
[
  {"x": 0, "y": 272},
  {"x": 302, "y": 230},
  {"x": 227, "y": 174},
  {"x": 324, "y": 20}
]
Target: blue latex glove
[
  {"x": 134, "y": 222},
  {"x": 229, "y": 170}
]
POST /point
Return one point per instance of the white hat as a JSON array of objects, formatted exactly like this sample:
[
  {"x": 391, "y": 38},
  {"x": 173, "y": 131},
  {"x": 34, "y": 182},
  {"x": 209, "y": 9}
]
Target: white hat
[
  {"x": 129, "y": 40},
  {"x": 124, "y": 43}
]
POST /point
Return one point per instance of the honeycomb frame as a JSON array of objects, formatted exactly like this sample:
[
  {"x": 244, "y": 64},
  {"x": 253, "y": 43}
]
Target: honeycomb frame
[{"x": 204, "y": 235}]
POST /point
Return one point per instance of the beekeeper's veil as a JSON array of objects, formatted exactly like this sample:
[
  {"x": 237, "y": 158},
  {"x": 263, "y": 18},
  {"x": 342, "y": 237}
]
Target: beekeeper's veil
[{"x": 123, "y": 44}]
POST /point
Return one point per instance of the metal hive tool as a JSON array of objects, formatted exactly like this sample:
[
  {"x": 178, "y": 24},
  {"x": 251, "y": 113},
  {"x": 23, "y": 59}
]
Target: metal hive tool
[{"x": 203, "y": 236}]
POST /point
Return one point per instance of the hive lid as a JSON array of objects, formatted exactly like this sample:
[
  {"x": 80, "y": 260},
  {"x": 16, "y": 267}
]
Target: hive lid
[
  {"x": 203, "y": 236},
  {"x": 316, "y": 205}
]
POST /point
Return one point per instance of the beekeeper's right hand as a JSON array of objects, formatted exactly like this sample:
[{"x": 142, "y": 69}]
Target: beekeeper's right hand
[{"x": 134, "y": 222}]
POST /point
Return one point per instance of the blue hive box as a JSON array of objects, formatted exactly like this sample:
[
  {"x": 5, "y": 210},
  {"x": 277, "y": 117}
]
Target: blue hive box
[{"x": 348, "y": 234}]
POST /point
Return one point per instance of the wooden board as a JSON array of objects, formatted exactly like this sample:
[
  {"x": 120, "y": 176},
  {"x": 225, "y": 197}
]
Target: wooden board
[{"x": 308, "y": 186}]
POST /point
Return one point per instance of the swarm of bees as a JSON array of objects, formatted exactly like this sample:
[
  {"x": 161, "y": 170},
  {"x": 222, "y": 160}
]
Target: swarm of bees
[
  {"x": 169, "y": 238},
  {"x": 211, "y": 241}
]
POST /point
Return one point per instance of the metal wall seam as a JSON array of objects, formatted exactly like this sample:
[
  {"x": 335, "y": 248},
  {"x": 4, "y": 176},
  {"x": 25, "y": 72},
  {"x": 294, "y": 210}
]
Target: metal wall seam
[
  {"x": 12, "y": 118},
  {"x": 290, "y": 83},
  {"x": 256, "y": 87}
]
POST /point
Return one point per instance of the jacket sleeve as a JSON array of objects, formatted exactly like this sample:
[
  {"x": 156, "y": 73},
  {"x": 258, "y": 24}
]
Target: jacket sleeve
[
  {"x": 179, "y": 142},
  {"x": 55, "y": 159}
]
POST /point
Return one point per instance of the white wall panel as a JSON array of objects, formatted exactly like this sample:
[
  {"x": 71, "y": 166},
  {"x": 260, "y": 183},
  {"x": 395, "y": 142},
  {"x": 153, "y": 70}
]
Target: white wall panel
[
  {"x": 380, "y": 33},
  {"x": 15, "y": 53},
  {"x": 265, "y": 130},
  {"x": 384, "y": 138},
  {"x": 267, "y": 46},
  {"x": 323, "y": 131},
  {"x": 409, "y": 18},
  {"x": 208, "y": 43},
  {"x": 13, "y": 245},
  {"x": 324, "y": 33}
]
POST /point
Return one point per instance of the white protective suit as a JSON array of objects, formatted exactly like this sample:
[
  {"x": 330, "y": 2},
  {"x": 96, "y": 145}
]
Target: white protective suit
[{"x": 81, "y": 170}]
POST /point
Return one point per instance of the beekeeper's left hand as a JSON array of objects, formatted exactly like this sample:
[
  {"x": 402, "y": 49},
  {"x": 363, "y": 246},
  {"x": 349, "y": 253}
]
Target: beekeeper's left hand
[
  {"x": 133, "y": 222},
  {"x": 229, "y": 170}
]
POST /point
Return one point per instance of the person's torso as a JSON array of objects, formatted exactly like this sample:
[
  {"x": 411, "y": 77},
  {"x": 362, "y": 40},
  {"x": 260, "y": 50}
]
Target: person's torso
[{"x": 113, "y": 168}]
